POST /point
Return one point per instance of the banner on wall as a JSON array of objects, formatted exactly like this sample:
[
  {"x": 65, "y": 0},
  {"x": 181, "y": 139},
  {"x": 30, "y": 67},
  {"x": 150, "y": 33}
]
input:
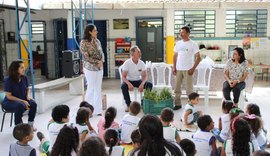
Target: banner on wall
[{"x": 254, "y": 43}]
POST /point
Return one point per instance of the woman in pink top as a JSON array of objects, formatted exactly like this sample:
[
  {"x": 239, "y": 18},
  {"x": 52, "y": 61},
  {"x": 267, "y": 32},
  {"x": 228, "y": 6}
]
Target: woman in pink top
[{"x": 107, "y": 122}]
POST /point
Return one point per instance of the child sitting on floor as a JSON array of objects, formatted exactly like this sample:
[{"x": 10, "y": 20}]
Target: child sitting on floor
[
  {"x": 112, "y": 141},
  {"x": 107, "y": 122},
  {"x": 190, "y": 114},
  {"x": 170, "y": 133},
  {"x": 130, "y": 122},
  {"x": 23, "y": 133},
  {"x": 203, "y": 139}
]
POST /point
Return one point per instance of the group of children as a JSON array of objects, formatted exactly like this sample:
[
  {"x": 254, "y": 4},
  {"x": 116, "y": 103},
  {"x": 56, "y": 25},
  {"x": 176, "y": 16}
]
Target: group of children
[{"x": 241, "y": 134}]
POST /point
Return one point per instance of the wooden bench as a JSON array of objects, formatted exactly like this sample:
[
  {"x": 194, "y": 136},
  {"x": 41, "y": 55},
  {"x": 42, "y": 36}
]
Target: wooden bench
[{"x": 76, "y": 87}]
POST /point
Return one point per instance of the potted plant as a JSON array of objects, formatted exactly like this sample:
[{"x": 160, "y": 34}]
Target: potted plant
[{"x": 154, "y": 101}]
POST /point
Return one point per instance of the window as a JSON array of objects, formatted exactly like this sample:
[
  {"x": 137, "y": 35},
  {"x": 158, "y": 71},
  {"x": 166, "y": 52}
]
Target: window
[
  {"x": 246, "y": 23},
  {"x": 201, "y": 22}
]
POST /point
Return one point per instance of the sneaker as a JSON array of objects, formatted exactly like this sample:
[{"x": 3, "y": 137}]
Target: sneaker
[
  {"x": 127, "y": 109},
  {"x": 99, "y": 114},
  {"x": 177, "y": 107},
  {"x": 40, "y": 136}
]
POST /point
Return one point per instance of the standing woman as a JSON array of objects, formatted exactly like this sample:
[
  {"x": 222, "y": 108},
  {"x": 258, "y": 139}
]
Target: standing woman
[
  {"x": 17, "y": 99},
  {"x": 93, "y": 59},
  {"x": 235, "y": 75}
]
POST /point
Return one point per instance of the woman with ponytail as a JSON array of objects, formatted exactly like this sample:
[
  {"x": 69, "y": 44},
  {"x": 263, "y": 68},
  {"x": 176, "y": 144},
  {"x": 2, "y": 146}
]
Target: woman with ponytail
[
  {"x": 111, "y": 137},
  {"x": 153, "y": 142},
  {"x": 107, "y": 122}
]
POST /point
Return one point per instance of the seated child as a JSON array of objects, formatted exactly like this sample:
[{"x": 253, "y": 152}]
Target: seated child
[
  {"x": 223, "y": 132},
  {"x": 136, "y": 142},
  {"x": 170, "y": 133},
  {"x": 188, "y": 146},
  {"x": 23, "y": 133},
  {"x": 130, "y": 122},
  {"x": 256, "y": 126},
  {"x": 204, "y": 140},
  {"x": 136, "y": 138},
  {"x": 60, "y": 117},
  {"x": 253, "y": 108},
  {"x": 83, "y": 104},
  {"x": 93, "y": 146},
  {"x": 107, "y": 122},
  {"x": 240, "y": 143},
  {"x": 190, "y": 114},
  {"x": 112, "y": 141},
  {"x": 83, "y": 124},
  {"x": 67, "y": 142}
]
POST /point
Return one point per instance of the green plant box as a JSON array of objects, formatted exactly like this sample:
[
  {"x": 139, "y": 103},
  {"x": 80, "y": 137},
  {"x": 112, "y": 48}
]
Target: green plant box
[{"x": 151, "y": 107}]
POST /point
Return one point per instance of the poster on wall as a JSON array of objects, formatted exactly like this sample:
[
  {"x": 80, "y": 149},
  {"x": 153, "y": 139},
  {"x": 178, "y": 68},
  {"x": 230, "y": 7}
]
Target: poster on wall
[
  {"x": 246, "y": 43},
  {"x": 121, "y": 23}
]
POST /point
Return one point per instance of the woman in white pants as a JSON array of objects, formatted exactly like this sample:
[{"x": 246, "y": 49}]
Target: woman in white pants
[{"x": 93, "y": 59}]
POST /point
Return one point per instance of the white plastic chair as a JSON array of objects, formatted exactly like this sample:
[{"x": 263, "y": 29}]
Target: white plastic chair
[
  {"x": 161, "y": 76},
  {"x": 135, "y": 89},
  {"x": 204, "y": 73}
]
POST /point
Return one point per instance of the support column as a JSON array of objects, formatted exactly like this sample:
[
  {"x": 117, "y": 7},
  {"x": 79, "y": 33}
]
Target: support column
[
  {"x": 70, "y": 41},
  {"x": 169, "y": 35}
]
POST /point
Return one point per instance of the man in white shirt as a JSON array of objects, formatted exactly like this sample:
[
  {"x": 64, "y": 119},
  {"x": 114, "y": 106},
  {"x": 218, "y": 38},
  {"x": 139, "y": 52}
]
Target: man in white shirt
[
  {"x": 134, "y": 74},
  {"x": 183, "y": 64}
]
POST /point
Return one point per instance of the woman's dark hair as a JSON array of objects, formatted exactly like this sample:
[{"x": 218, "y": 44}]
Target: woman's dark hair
[
  {"x": 13, "y": 70},
  {"x": 86, "y": 34},
  {"x": 227, "y": 105},
  {"x": 254, "y": 109},
  {"x": 241, "y": 54},
  {"x": 66, "y": 141},
  {"x": 82, "y": 115},
  {"x": 111, "y": 138},
  {"x": 240, "y": 137},
  {"x": 93, "y": 146},
  {"x": 153, "y": 142},
  {"x": 110, "y": 114}
]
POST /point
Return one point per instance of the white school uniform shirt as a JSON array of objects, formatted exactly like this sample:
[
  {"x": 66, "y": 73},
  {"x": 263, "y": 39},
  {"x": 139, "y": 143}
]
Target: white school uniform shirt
[
  {"x": 116, "y": 150},
  {"x": 261, "y": 138},
  {"x": 228, "y": 148},
  {"x": 134, "y": 71},
  {"x": 54, "y": 129},
  {"x": 203, "y": 142},
  {"x": 128, "y": 125},
  {"x": 185, "y": 54},
  {"x": 190, "y": 116},
  {"x": 225, "y": 131},
  {"x": 169, "y": 133}
]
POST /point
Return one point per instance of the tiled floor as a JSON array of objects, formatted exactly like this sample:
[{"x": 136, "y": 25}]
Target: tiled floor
[{"x": 111, "y": 87}]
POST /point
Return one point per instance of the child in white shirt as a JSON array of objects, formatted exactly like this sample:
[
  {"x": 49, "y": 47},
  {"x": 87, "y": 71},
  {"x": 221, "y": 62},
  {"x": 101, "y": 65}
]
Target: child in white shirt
[
  {"x": 203, "y": 139},
  {"x": 191, "y": 115},
  {"x": 170, "y": 133},
  {"x": 130, "y": 122}
]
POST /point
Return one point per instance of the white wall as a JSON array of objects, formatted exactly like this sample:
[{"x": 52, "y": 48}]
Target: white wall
[{"x": 48, "y": 15}]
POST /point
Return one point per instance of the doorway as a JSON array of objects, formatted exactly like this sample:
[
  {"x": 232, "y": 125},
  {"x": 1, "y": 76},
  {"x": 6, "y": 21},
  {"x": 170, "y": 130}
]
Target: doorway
[
  {"x": 39, "y": 48},
  {"x": 149, "y": 38}
]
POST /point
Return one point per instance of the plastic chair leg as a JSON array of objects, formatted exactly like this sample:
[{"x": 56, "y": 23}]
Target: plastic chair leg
[
  {"x": 11, "y": 119},
  {"x": 3, "y": 119}
]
